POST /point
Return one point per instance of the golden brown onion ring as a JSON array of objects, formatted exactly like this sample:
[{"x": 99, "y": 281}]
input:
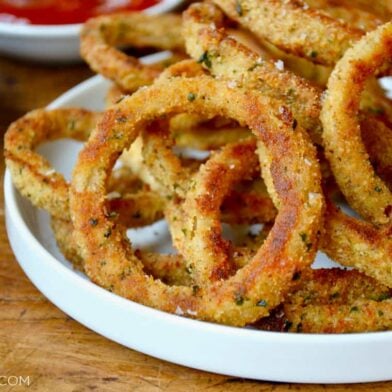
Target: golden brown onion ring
[
  {"x": 353, "y": 16},
  {"x": 110, "y": 261},
  {"x": 36, "y": 179},
  {"x": 196, "y": 227},
  {"x": 31, "y": 173},
  {"x": 100, "y": 37},
  {"x": 293, "y": 27},
  {"x": 364, "y": 190}
]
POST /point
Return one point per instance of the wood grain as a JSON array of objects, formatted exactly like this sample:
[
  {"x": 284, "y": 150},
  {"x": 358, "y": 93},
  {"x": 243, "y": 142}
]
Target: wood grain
[{"x": 56, "y": 352}]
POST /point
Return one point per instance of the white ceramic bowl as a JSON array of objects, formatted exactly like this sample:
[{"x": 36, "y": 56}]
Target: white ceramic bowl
[
  {"x": 57, "y": 43},
  {"x": 238, "y": 352}
]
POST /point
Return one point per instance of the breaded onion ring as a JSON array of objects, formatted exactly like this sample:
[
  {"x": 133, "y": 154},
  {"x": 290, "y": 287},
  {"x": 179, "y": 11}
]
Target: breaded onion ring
[
  {"x": 293, "y": 27},
  {"x": 101, "y": 35},
  {"x": 364, "y": 190},
  {"x": 337, "y": 9},
  {"x": 196, "y": 227},
  {"x": 31, "y": 173},
  {"x": 109, "y": 260},
  {"x": 36, "y": 179}
]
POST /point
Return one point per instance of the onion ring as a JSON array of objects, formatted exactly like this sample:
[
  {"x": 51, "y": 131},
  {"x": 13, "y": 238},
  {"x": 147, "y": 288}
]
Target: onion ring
[
  {"x": 36, "y": 179},
  {"x": 31, "y": 173},
  {"x": 269, "y": 273},
  {"x": 196, "y": 227},
  {"x": 338, "y": 229},
  {"x": 305, "y": 32},
  {"x": 372, "y": 197},
  {"x": 100, "y": 36},
  {"x": 336, "y": 9}
]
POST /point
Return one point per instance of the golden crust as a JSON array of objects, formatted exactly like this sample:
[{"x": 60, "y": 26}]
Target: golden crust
[{"x": 196, "y": 227}]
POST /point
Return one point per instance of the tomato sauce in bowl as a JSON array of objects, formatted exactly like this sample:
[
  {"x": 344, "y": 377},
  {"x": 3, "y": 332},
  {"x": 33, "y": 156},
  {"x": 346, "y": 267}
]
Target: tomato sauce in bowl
[{"x": 62, "y": 12}]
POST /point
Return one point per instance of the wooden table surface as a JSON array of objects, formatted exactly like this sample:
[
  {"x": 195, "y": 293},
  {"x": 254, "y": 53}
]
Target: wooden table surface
[{"x": 39, "y": 341}]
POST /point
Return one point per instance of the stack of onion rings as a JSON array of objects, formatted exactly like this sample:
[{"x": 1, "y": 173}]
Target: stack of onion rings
[{"x": 237, "y": 100}]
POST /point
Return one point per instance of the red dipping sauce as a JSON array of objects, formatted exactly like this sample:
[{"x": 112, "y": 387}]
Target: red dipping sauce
[{"x": 59, "y": 12}]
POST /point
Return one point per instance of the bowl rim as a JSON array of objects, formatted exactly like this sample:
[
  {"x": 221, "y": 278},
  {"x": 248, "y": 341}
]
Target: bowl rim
[{"x": 70, "y": 30}]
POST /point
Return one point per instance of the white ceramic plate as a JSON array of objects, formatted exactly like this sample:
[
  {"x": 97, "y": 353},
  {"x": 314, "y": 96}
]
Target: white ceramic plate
[
  {"x": 57, "y": 43},
  {"x": 232, "y": 351}
]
